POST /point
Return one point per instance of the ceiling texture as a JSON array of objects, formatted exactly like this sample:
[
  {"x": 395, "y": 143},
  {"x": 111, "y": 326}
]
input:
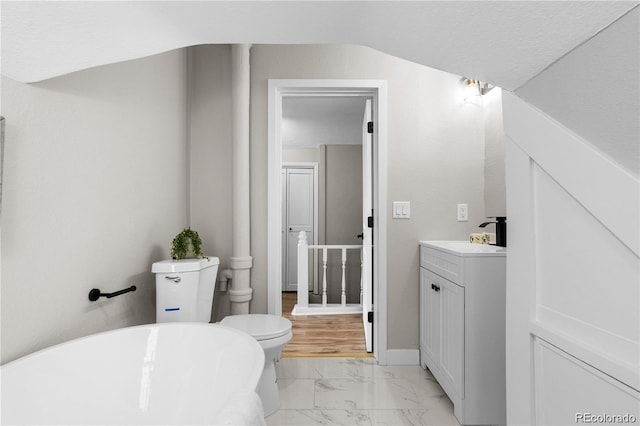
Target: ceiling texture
[{"x": 500, "y": 42}]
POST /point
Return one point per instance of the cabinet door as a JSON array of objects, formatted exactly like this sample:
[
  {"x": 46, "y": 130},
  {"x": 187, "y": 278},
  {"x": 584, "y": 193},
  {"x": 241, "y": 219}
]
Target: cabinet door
[
  {"x": 429, "y": 319},
  {"x": 452, "y": 333}
]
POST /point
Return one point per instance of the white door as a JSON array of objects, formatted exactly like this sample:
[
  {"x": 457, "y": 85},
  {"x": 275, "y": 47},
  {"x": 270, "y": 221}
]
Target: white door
[
  {"x": 299, "y": 216},
  {"x": 283, "y": 226},
  {"x": 367, "y": 232}
]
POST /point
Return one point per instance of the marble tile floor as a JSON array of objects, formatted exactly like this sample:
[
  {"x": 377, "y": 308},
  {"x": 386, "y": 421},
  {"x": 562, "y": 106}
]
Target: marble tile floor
[{"x": 358, "y": 391}]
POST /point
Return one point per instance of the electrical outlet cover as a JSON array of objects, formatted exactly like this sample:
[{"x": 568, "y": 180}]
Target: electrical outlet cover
[{"x": 463, "y": 212}]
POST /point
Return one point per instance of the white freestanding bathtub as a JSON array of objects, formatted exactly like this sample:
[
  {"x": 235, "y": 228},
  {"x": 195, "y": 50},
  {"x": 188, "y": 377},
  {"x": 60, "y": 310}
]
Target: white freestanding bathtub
[{"x": 170, "y": 373}]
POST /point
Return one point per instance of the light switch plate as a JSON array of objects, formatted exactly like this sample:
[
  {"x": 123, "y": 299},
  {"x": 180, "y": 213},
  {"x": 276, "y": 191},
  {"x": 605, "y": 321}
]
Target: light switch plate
[
  {"x": 401, "y": 210},
  {"x": 463, "y": 212}
]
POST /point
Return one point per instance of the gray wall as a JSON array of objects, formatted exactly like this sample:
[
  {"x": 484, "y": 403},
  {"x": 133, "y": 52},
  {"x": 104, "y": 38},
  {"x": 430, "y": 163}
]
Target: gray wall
[
  {"x": 100, "y": 154},
  {"x": 93, "y": 192},
  {"x": 309, "y": 155},
  {"x": 343, "y": 179},
  {"x": 435, "y": 160},
  {"x": 495, "y": 191},
  {"x": 596, "y": 96},
  {"x": 343, "y": 210},
  {"x": 340, "y": 211},
  {"x": 210, "y": 157}
]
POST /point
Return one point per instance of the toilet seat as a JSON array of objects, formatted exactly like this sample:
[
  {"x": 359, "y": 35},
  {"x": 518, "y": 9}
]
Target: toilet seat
[
  {"x": 260, "y": 326},
  {"x": 272, "y": 333}
]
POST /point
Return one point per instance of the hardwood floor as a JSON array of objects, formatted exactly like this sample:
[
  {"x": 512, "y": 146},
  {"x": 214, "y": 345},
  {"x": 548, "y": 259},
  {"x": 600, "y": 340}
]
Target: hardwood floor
[{"x": 323, "y": 335}]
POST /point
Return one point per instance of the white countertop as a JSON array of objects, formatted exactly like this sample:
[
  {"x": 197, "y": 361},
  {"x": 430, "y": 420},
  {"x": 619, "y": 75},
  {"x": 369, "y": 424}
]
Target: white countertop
[{"x": 465, "y": 248}]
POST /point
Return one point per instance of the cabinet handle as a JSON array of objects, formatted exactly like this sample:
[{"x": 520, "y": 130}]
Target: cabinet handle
[{"x": 435, "y": 287}]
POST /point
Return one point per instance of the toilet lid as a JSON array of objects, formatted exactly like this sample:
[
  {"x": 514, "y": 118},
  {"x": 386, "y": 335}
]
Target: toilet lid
[{"x": 259, "y": 326}]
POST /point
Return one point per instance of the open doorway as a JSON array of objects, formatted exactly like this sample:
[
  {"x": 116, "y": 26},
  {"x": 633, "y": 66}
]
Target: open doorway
[
  {"x": 291, "y": 95},
  {"x": 322, "y": 198}
]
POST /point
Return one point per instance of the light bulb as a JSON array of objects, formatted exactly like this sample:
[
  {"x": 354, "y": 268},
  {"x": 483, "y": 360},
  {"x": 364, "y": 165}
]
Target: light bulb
[{"x": 471, "y": 91}]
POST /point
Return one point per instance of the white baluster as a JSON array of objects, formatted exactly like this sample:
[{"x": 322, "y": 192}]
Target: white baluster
[
  {"x": 303, "y": 270},
  {"x": 344, "y": 282},
  {"x": 324, "y": 277},
  {"x": 361, "y": 274}
]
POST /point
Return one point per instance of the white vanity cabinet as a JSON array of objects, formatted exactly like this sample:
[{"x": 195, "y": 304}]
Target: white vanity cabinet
[{"x": 462, "y": 326}]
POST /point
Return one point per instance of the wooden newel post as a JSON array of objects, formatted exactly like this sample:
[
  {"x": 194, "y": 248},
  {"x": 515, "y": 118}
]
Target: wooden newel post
[{"x": 303, "y": 270}]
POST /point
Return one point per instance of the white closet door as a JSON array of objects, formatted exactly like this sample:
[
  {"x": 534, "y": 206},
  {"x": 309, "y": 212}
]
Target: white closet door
[{"x": 299, "y": 217}]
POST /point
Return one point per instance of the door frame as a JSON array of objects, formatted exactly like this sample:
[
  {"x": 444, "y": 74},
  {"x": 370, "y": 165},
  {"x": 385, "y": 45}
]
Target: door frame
[
  {"x": 377, "y": 91},
  {"x": 314, "y": 167}
]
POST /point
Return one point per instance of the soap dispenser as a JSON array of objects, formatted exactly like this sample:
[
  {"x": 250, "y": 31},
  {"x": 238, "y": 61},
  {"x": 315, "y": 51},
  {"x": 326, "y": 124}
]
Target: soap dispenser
[{"x": 501, "y": 229}]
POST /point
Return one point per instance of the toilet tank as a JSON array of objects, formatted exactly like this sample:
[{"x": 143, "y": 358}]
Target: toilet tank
[{"x": 184, "y": 289}]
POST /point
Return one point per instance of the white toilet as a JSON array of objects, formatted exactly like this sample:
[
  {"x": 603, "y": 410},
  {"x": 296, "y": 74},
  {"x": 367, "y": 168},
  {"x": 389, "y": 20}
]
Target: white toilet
[
  {"x": 184, "y": 292},
  {"x": 273, "y": 333},
  {"x": 184, "y": 289}
]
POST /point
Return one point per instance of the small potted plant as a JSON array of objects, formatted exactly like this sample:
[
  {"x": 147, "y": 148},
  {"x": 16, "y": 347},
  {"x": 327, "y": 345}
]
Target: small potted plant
[{"x": 187, "y": 241}]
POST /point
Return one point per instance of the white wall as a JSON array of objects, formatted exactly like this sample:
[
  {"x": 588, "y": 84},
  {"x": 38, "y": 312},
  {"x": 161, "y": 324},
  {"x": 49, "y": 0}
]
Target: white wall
[
  {"x": 93, "y": 192},
  {"x": 573, "y": 336}
]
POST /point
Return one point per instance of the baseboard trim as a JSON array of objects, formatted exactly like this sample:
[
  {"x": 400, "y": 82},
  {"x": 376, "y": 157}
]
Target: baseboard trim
[
  {"x": 325, "y": 355},
  {"x": 403, "y": 357}
]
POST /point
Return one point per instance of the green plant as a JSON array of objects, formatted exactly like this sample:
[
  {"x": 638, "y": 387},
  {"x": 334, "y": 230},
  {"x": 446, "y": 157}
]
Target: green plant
[{"x": 182, "y": 241}]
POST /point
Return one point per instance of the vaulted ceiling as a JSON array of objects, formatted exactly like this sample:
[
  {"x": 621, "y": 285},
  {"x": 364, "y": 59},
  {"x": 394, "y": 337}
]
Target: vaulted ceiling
[{"x": 505, "y": 43}]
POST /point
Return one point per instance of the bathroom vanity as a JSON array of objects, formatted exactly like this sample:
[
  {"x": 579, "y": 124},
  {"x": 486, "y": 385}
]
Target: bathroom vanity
[{"x": 462, "y": 326}]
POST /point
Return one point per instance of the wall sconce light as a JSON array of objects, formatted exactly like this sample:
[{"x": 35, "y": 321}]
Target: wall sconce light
[
  {"x": 474, "y": 89},
  {"x": 471, "y": 90}
]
